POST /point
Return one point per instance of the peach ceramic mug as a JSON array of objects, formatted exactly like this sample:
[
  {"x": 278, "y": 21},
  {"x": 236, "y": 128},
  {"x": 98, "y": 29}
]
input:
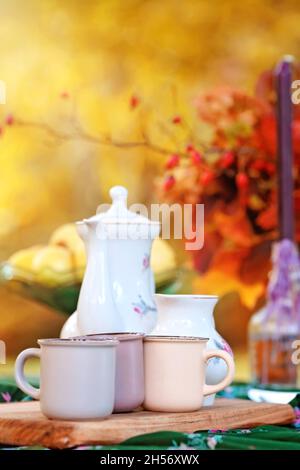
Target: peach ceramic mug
[
  {"x": 77, "y": 377},
  {"x": 129, "y": 370},
  {"x": 175, "y": 373}
]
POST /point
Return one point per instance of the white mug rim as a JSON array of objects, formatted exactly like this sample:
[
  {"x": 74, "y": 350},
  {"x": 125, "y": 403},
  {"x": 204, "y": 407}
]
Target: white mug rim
[
  {"x": 188, "y": 296},
  {"x": 175, "y": 338},
  {"x": 79, "y": 342}
]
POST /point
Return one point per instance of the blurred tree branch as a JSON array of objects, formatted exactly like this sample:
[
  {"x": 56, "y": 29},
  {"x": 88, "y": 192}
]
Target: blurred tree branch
[{"x": 78, "y": 133}]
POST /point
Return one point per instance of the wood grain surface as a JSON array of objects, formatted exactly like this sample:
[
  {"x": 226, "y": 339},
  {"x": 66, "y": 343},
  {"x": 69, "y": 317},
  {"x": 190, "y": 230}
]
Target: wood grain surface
[{"x": 23, "y": 424}]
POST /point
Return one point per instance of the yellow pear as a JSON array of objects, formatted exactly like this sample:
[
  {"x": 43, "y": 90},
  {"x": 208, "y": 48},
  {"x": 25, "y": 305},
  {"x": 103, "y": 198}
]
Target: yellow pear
[
  {"x": 66, "y": 236},
  {"x": 23, "y": 259},
  {"x": 53, "y": 265}
]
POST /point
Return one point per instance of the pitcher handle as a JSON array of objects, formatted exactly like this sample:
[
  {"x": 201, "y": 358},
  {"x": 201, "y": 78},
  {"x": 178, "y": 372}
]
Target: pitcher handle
[
  {"x": 21, "y": 380},
  {"x": 210, "y": 389}
]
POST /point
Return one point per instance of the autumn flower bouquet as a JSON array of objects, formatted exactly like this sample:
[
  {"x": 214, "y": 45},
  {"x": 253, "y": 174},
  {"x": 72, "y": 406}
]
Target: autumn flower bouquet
[{"x": 234, "y": 176}]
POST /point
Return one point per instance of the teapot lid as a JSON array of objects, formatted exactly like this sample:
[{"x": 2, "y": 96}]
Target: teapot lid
[{"x": 118, "y": 212}]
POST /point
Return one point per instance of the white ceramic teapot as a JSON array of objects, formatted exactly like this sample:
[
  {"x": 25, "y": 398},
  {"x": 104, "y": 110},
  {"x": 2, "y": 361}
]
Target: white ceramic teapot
[
  {"x": 192, "y": 315},
  {"x": 118, "y": 286}
]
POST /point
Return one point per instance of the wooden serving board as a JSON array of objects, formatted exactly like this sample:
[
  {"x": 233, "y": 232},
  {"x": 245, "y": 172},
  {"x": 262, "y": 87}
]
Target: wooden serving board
[{"x": 23, "y": 424}]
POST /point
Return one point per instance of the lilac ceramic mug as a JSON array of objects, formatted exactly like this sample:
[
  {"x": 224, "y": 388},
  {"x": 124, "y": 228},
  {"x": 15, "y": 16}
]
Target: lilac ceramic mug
[
  {"x": 77, "y": 377},
  {"x": 129, "y": 389}
]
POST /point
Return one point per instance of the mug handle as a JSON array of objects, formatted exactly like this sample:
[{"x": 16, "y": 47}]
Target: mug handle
[
  {"x": 210, "y": 389},
  {"x": 21, "y": 381}
]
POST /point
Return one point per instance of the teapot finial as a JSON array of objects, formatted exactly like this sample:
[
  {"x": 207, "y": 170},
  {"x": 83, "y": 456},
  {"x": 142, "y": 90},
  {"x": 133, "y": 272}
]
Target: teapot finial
[{"x": 119, "y": 195}]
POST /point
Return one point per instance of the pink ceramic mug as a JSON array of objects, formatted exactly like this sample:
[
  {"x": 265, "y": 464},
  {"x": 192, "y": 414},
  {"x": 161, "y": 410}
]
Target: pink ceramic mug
[
  {"x": 129, "y": 390},
  {"x": 175, "y": 373}
]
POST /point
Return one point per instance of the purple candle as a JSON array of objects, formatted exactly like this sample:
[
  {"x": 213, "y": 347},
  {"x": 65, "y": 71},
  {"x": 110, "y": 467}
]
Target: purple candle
[{"x": 283, "y": 75}]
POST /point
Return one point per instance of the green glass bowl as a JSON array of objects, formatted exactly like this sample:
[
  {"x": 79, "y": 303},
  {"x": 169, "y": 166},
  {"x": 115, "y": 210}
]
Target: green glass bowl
[{"x": 63, "y": 295}]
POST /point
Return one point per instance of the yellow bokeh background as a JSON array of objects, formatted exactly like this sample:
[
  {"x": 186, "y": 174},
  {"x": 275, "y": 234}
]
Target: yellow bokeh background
[{"x": 101, "y": 53}]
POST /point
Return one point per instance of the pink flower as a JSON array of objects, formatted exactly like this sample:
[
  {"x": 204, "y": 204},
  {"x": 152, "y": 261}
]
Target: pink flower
[
  {"x": 227, "y": 348},
  {"x": 137, "y": 310},
  {"x": 297, "y": 412},
  {"x": 211, "y": 442},
  {"x": 6, "y": 396},
  {"x": 146, "y": 262}
]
